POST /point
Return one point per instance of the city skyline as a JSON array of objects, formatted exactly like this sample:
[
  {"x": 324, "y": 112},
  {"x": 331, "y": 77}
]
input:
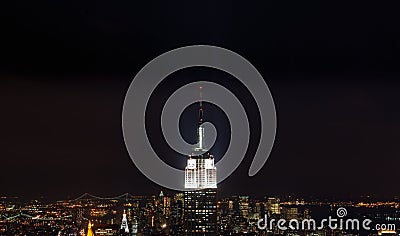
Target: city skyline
[{"x": 161, "y": 214}]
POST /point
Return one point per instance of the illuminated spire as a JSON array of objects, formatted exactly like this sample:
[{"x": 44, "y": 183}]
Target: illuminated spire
[
  {"x": 201, "y": 106},
  {"x": 200, "y": 130},
  {"x": 90, "y": 231},
  {"x": 200, "y": 171}
]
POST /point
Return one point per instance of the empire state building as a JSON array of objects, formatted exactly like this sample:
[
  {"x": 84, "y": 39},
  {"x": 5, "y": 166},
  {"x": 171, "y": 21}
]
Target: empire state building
[{"x": 200, "y": 200}]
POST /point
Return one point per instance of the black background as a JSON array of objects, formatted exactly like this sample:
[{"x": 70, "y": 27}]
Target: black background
[{"x": 332, "y": 69}]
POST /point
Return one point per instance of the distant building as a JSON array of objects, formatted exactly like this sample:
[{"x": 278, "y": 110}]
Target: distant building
[
  {"x": 134, "y": 227},
  {"x": 274, "y": 205},
  {"x": 105, "y": 232},
  {"x": 124, "y": 230},
  {"x": 177, "y": 214},
  {"x": 90, "y": 231},
  {"x": 244, "y": 206},
  {"x": 291, "y": 213},
  {"x": 387, "y": 232}
]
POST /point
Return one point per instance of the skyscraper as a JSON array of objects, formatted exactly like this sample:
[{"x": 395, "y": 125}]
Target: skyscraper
[
  {"x": 200, "y": 200},
  {"x": 124, "y": 224},
  {"x": 177, "y": 211},
  {"x": 134, "y": 227},
  {"x": 90, "y": 231}
]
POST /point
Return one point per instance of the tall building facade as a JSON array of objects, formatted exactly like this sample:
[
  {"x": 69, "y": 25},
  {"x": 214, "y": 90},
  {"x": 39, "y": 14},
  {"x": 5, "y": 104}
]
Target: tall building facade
[
  {"x": 124, "y": 225},
  {"x": 200, "y": 198}
]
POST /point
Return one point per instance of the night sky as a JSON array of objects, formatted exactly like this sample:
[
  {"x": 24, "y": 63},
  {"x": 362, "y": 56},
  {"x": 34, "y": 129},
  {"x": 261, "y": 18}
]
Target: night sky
[{"x": 333, "y": 71}]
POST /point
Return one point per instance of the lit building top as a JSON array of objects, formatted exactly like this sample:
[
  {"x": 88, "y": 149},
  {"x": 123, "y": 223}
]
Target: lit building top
[{"x": 200, "y": 172}]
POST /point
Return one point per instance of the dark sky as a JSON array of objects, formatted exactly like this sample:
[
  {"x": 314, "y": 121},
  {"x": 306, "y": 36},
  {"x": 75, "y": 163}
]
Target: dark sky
[{"x": 333, "y": 70}]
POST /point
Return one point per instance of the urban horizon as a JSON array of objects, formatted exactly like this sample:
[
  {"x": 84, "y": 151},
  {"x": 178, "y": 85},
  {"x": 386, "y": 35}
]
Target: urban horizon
[
  {"x": 321, "y": 197},
  {"x": 236, "y": 214}
]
